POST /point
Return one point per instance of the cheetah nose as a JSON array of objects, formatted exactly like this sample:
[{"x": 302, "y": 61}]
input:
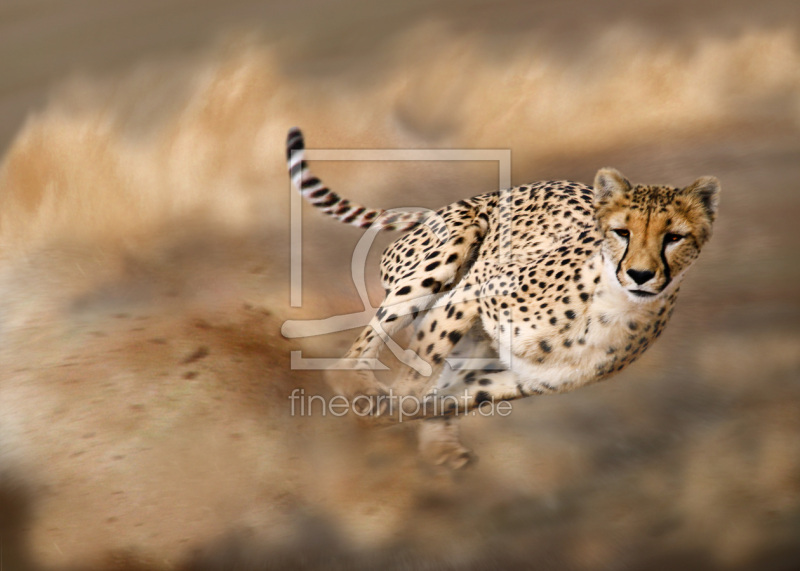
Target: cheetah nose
[{"x": 641, "y": 276}]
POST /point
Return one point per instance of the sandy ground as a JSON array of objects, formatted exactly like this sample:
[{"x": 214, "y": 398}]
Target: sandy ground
[{"x": 145, "y": 420}]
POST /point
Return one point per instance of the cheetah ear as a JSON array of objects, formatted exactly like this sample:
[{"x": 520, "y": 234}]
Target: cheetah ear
[
  {"x": 609, "y": 182},
  {"x": 706, "y": 190}
]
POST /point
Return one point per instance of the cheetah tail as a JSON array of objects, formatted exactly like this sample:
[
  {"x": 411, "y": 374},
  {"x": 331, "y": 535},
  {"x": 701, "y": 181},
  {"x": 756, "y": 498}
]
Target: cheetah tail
[{"x": 343, "y": 210}]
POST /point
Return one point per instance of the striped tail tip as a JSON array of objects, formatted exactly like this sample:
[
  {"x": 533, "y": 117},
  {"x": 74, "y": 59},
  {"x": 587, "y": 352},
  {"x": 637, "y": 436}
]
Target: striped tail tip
[{"x": 294, "y": 141}]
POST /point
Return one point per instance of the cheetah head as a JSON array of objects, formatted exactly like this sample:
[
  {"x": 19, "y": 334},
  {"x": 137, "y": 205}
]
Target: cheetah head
[{"x": 652, "y": 233}]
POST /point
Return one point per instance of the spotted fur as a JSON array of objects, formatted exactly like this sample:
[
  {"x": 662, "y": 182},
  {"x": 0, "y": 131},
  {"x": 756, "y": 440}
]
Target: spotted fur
[{"x": 566, "y": 283}]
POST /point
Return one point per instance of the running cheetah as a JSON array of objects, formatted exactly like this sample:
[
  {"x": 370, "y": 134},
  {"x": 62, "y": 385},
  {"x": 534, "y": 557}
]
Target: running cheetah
[{"x": 568, "y": 283}]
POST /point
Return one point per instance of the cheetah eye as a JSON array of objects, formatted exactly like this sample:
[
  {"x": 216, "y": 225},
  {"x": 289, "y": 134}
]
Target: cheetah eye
[
  {"x": 622, "y": 232},
  {"x": 672, "y": 238}
]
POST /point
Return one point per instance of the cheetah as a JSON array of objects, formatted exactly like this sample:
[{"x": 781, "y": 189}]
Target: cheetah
[{"x": 568, "y": 284}]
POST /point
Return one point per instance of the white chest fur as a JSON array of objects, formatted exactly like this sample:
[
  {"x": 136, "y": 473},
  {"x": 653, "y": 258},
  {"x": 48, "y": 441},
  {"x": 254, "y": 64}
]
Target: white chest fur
[{"x": 612, "y": 330}]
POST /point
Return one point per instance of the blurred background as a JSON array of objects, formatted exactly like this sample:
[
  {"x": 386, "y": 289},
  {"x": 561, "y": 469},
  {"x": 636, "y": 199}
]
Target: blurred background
[{"x": 144, "y": 249}]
